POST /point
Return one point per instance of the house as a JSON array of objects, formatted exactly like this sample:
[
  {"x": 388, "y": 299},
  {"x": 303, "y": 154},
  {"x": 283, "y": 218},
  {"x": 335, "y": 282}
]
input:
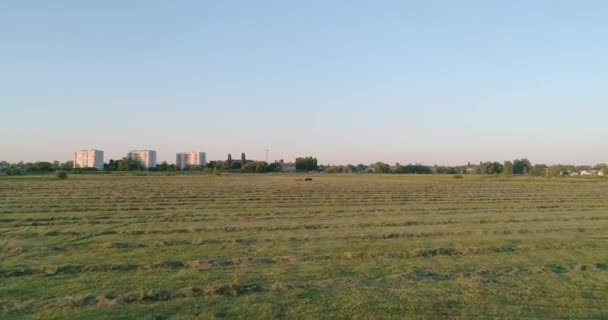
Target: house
[
  {"x": 589, "y": 173},
  {"x": 472, "y": 170},
  {"x": 288, "y": 166}
]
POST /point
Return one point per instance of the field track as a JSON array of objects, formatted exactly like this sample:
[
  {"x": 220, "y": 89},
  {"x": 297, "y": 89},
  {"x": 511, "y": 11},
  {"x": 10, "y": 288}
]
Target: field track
[{"x": 266, "y": 246}]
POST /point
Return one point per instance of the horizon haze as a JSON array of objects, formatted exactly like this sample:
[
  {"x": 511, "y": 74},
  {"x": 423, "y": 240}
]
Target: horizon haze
[{"x": 431, "y": 82}]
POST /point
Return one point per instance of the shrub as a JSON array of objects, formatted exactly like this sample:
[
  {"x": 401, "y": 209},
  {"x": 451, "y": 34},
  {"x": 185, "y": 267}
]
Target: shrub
[
  {"x": 458, "y": 176},
  {"x": 13, "y": 172},
  {"x": 60, "y": 174}
]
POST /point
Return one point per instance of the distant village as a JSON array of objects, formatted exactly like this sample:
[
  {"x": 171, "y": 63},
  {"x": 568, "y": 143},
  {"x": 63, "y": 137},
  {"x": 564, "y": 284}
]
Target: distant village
[{"x": 146, "y": 160}]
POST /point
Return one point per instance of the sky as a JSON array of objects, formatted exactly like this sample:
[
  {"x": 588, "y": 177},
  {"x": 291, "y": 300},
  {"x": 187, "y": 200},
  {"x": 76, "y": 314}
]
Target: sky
[{"x": 434, "y": 82}]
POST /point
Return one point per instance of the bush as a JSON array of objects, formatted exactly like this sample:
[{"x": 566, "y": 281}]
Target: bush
[
  {"x": 13, "y": 172},
  {"x": 60, "y": 174},
  {"x": 458, "y": 176}
]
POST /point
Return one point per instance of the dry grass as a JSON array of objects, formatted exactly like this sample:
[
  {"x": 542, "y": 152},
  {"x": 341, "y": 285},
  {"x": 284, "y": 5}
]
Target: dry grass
[{"x": 266, "y": 246}]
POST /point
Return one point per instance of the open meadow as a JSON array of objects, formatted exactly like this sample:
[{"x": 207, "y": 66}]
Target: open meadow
[{"x": 266, "y": 246}]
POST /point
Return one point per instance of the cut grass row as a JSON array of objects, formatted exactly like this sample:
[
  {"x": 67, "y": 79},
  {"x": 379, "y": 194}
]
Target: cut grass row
[{"x": 265, "y": 246}]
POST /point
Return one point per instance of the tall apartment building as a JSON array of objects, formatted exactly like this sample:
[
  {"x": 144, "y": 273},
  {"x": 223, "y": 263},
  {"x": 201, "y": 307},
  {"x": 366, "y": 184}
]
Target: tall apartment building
[
  {"x": 88, "y": 159},
  {"x": 185, "y": 159},
  {"x": 146, "y": 157}
]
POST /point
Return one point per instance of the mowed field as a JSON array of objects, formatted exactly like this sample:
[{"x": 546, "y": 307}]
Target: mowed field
[{"x": 266, "y": 246}]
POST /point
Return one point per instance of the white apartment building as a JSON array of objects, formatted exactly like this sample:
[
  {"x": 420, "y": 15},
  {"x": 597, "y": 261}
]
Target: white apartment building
[
  {"x": 146, "y": 157},
  {"x": 193, "y": 158},
  {"x": 88, "y": 159}
]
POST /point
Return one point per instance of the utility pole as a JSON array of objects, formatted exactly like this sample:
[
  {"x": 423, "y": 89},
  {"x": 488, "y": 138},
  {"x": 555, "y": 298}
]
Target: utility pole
[{"x": 267, "y": 155}]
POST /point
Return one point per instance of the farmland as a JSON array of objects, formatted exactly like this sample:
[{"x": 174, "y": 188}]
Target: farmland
[{"x": 266, "y": 246}]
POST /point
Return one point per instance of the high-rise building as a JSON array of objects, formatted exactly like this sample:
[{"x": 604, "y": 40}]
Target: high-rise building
[
  {"x": 185, "y": 159},
  {"x": 88, "y": 159},
  {"x": 146, "y": 157}
]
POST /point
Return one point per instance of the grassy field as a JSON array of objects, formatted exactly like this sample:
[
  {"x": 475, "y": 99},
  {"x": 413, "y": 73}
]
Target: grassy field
[{"x": 266, "y": 246}]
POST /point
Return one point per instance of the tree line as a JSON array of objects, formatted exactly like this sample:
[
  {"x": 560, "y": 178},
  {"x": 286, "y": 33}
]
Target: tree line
[
  {"x": 521, "y": 167},
  {"x": 305, "y": 164},
  {"x": 21, "y": 167},
  {"x": 241, "y": 165},
  {"x": 507, "y": 168}
]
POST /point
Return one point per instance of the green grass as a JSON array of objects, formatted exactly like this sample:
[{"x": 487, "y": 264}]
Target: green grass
[{"x": 266, "y": 246}]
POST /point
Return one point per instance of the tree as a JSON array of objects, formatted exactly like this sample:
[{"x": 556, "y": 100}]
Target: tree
[
  {"x": 260, "y": 166},
  {"x": 128, "y": 164},
  {"x": 34, "y": 167},
  {"x": 335, "y": 169},
  {"x": 507, "y": 168},
  {"x": 484, "y": 167},
  {"x": 521, "y": 166},
  {"x": 123, "y": 164},
  {"x": 163, "y": 166},
  {"x": 4, "y": 166},
  {"x": 243, "y": 159},
  {"x": 491, "y": 168},
  {"x": 398, "y": 168},
  {"x": 248, "y": 167},
  {"x": 195, "y": 168},
  {"x": 380, "y": 167},
  {"x": 42, "y": 166},
  {"x": 413, "y": 169},
  {"x": 112, "y": 165},
  {"x": 60, "y": 174},
  {"x": 538, "y": 170},
  {"x": 556, "y": 171},
  {"x": 67, "y": 166},
  {"x": 229, "y": 161},
  {"x": 449, "y": 170},
  {"x": 350, "y": 168},
  {"x": 13, "y": 172},
  {"x": 362, "y": 168},
  {"x": 236, "y": 165},
  {"x": 306, "y": 164},
  {"x": 274, "y": 167}
]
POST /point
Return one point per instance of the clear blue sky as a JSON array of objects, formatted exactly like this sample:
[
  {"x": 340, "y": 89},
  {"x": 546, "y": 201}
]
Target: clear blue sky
[{"x": 441, "y": 82}]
